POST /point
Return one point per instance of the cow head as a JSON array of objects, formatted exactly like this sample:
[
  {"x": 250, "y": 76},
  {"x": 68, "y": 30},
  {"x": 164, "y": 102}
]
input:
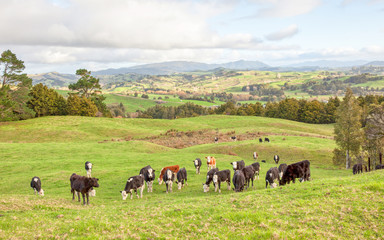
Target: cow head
[
  {"x": 234, "y": 164},
  {"x": 208, "y": 159},
  {"x": 179, "y": 185},
  {"x": 92, "y": 193},
  {"x": 160, "y": 181},
  {"x": 196, "y": 162},
  {"x": 93, "y": 182},
  {"x": 150, "y": 172},
  {"x": 41, "y": 192},
  {"x": 205, "y": 187},
  {"x": 124, "y": 194}
]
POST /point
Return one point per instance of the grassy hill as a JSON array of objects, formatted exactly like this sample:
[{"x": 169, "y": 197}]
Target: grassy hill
[{"x": 334, "y": 205}]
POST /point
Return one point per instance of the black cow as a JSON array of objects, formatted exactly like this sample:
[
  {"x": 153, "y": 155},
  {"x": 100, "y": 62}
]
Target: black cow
[
  {"x": 197, "y": 163},
  {"x": 271, "y": 176},
  {"x": 209, "y": 179},
  {"x": 276, "y": 158},
  {"x": 238, "y": 181},
  {"x": 257, "y": 168},
  {"x": 296, "y": 170},
  {"x": 249, "y": 174},
  {"x": 233, "y": 138},
  {"x": 133, "y": 184},
  {"x": 260, "y": 140},
  {"x": 149, "y": 176},
  {"x": 282, "y": 168},
  {"x": 216, "y": 139},
  {"x": 238, "y": 165},
  {"x": 222, "y": 176},
  {"x": 263, "y": 161},
  {"x": 168, "y": 178},
  {"x": 36, "y": 186},
  {"x": 380, "y": 166},
  {"x": 255, "y": 156},
  {"x": 181, "y": 177},
  {"x": 266, "y": 139},
  {"x": 83, "y": 185},
  {"x": 88, "y": 168},
  {"x": 357, "y": 168}
]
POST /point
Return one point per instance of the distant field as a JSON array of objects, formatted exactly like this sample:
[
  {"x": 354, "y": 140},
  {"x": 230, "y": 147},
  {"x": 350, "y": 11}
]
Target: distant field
[{"x": 334, "y": 205}]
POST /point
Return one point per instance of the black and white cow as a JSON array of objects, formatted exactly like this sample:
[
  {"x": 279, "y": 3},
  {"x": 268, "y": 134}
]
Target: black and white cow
[
  {"x": 271, "y": 176},
  {"x": 88, "y": 168},
  {"x": 276, "y": 158},
  {"x": 257, "y": 168},
  {"x": 168, "y": 178},
  {"x": 296, "y": 170},
  {"x": 260, "y": 140},
  {"x": 249, "y": 174},
  {"x": 238, "y": 181},
  {"x": 133, "y": 184},
  {"x": 197, "y": 163},
  {"x": 380, "y": 166},
  {"x": 83, "y": 185},
  {"x": 181, "y": 177},
  {"x": 149, "y": 176},
  {"x": 282, "y": 168},
  {"x": 222, "y": 176},
  {"x": 233, "y": 138},
  {"x": 36, "y": 186},
  {"x": 216, "y": 139},
  {"x": 238, "y": 165},
  {"x": 209, "y": 179},
  {"x": 255, "y": 156},
  {"x": 266, "y": 139}
]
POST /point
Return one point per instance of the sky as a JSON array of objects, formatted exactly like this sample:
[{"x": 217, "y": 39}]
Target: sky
[{"x": 65, "y": 35}]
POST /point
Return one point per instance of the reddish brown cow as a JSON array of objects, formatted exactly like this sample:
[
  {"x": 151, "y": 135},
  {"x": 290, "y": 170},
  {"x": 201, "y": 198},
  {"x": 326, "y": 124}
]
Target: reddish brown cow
[{"x": 174, "y": 169}]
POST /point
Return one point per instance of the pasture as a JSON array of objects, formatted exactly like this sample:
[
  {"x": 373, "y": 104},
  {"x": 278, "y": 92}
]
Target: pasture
[{"x": 334, "y": 205}]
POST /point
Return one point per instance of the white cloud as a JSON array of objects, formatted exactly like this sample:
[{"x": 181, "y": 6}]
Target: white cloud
[
  {"x": 286, "y": 8},
  {"x": 283, "y": 33}
]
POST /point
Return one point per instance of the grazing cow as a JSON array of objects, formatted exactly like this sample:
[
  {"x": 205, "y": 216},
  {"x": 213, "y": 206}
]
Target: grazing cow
[
  {"x": 149, "y": 176},
  {"x": 36, "y": 186},
  {"x": 88, "y": 168},
  {"x": 133, "y": 184},
  {"x": 181, "y": 177},
  {"x": 209, "y": 179},
  {"x": 276, "y": 158},
  {"x": 271, "y": 176},
  {"x": 168, "y": 178},
  {"x": 255, "y": 156},
  {"x": 357, "y": 168},
  {"x": 257, "y": 168},
  {"x": 174, "y": 169},
  {"x": 266, "y": 139},
  {"x": 263, "y": 161},
  {"x": 211, "y": 162},
  {"x": 260, "y": 140},
  {"x": 197, "y": 163},
  {"x": 380, "y": 166},
  {"x": 238, "y": 165},
  {"x": 238, "y": 181},
  {"x": 222, "y": 176},
  {"x": 296, "y": 170},
  {"x": 216, "y": 139},
  {"x": 83, "y": 185},
  {"x": 282, "y": 168},
  {"x": 249, "y": 174},
  {"x": 233, "y": 138}
]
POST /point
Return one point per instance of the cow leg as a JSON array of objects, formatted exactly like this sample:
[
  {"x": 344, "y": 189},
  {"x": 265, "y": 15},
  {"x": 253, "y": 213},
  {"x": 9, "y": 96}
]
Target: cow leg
[
  {"x": 166, "y": 184},
  {"x": 87, "y": 194},
  {"x": 73, "y": 194},
  {"x": 141, "y": 192},
  {"x": 78, "y": 196},
  {"x": 171, "y": 183},
  {"x": 82, "y": 194},
  {"x": 266, "y": 184},
  {"x": 219, "y": 187},
  {"x": 228, "y": 185}
]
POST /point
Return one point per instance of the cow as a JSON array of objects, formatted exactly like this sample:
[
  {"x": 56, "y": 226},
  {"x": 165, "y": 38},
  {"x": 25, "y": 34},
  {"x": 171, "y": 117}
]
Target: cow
[
  {"x": 249, "y": 174},
  {"x": 238, "y": 165},
  {"x": 216, "y": 139},
  {"x": 357, "y": 168},
  {"x": 282, "y": 168},
  {"x": 266, "y": 139},
  {"x": 380, "y": 166},
  {"x": 83, "y": 185},
  {"x": 197, "y": 163},
  {"x": 88, "y": 168},
  {"x": 271, "y": 176},
  {"x": 209, "y": 179},
  {"x": 174, "y": 169},
  {"x": 233, "y": 138},
  {"x": 133, "y": 184},
  {"x": 211, "y": 162},
  {"x": 181, "y": 177},
  {"x": 238, "y": 181},
  {"x": 296, "y": 170},
  {"x": 149, "y": 176},
  {"x": 260, "y": 140},
  {"x": 222, "y": 176},
  {"x": 263, "y": 161},
  {"x": 276, "y": 158},
  {"x": 257, "y": 168},
  {"x": 255, "y": 156},
  {"x": 36, "y": 186},
  {"x": 168, "y": 178}
]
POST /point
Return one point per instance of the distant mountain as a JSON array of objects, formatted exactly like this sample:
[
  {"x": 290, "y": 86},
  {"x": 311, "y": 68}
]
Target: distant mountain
[
  {"x": 375, "y": 63},
  {"x": 327, "y": 64},
  {"x": 166, "y": 68},
  {"x": 53, "y": 79}
]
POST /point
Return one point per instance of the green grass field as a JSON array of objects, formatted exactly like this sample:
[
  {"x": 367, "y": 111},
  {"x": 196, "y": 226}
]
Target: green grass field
[{"x": 334, "y": 205}]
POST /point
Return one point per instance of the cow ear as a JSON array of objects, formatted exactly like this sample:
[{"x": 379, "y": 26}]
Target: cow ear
[
  {"x": 121, "y": 191},
  {"x": 97, "y": 179},
  {"x": 153, "y": 170}
]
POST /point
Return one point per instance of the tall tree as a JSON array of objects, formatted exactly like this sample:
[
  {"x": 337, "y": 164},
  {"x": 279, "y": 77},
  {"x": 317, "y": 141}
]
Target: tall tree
[
  {"x": 348, "y": 126},
  {"x": 12, "y": 67},
  {"x": 86, "y": 85},
  {"x": 374, "y": 132}
]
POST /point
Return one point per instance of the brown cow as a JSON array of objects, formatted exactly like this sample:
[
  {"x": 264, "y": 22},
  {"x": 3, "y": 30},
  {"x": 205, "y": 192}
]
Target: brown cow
[
  {"x": 211, "y": 162},
  {"x": 174, "y": 169},
  {"x": 83, "y": 185}
]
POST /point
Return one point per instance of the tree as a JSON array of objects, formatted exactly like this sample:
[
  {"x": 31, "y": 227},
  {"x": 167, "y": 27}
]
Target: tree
[
  {"x": 45, "y": 101},
  {"x": 348, "y": 126},
  {"x": 12, "y": 67},
  {"x": 86, "y": 85},
  {"x": 374, "y": 132},
  {"x": 80, "y": 106}
]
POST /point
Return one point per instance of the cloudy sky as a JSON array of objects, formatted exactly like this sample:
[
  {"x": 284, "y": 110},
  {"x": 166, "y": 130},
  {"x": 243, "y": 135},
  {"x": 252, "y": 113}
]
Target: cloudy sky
[{"x": 65, "y": 35}]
